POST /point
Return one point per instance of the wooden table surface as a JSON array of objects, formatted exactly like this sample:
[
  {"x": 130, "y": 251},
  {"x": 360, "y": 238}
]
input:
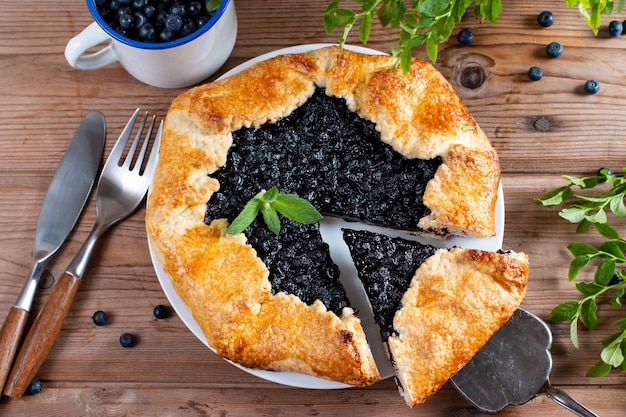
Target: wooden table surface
[{"x": 540, "y": 129}]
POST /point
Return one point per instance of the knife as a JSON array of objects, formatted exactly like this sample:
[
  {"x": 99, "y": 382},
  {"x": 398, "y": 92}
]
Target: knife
[{"x": 66, "y": 197}]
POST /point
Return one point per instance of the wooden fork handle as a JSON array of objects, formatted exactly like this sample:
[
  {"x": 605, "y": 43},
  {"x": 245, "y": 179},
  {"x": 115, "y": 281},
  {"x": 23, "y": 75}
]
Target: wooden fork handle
[
  {"x": 10, "y": 338},
  {"x": 41, "y": 336}
]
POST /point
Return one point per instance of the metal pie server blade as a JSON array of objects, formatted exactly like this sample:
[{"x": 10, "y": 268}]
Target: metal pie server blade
[
  {"x": 64, "y": 202},
  {"x": 513, "y": 368}
]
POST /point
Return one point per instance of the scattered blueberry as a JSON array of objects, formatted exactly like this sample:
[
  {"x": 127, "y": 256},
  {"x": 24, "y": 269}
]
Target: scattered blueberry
[
  {"x": 161, "y": 311},
  {"x": 615, "y": 28},
  {"x": 615, "y": 279},
  {"x": 592, "y": 86},
  {"x": 545, "y": 18},
  {"x": 34, "y": 387},
  {"x": 99, "y": 318},
  {"x": 535, "y": 73},
  {"x": 126, "y": 340},
  {"x": 465, "y": 37},
  {"x": 604, "y": 171},
  {"x": 554, "y": 49}
]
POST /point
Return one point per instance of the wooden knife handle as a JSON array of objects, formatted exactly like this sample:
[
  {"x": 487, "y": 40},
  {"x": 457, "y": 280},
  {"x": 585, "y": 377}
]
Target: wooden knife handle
[
  {"x": 41, "y": 336},
  {"x": 10, "y": 338}
]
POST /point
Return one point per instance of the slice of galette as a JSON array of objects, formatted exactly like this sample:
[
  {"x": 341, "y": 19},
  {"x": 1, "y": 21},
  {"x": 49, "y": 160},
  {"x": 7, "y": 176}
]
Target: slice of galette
[
  {"x": 355, "y": 137},
  {"x": 435, "y": 307}
]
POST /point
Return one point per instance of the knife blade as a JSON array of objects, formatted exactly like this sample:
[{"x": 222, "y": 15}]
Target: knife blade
[{"x": 65, "y": 199}]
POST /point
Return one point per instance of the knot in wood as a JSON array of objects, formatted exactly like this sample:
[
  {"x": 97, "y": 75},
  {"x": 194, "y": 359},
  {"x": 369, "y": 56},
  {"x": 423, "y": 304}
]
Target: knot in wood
[{"x": 472, "y": 77}]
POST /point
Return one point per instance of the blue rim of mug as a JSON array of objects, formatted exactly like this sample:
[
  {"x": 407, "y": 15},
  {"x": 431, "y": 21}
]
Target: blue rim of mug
[{"x": 93, "y": 9}]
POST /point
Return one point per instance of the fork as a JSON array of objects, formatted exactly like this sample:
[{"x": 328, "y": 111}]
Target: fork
[{"x": 121, "y": 188}]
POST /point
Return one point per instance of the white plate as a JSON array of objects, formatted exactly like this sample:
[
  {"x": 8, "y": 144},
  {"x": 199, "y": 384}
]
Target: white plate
[{"x": 331, "y": 233}]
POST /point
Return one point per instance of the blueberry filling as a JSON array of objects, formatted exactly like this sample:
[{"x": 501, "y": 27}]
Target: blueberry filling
[
  {"x": 386, "y": 267},
  {"x": 336, "y": 160}
]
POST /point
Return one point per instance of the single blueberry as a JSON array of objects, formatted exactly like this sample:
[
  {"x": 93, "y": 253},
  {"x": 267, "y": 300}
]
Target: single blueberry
[
  {"x": 535, "y": 73},
  {"x": 149, "y": 11},
  {"x": 545, "y": 18},
  {"x": 202, "y": 20},
  {"x": 189, "y": 27},
  {"x": 140, "y": 19},
  {"x": 147, "y": 32},
  {"x": 592, "y": 86},
  {"x": 34, "y": 387},
  {"x": 124, "y": 10},
  {"x": 161, "y": 311},
  {"x": 615, "y": 28},
  {"x": 195, "y": 8},
  {"x": 554, "y": 49},
  {"x": 126, "y": 340},
  {"x": 166, "y": 35},
  {"x": 465, "y": 37},
  {"x": 125, "y": 20},
  {"x": 179, "y": 8},
  {"x": 173, "y": 22},
  {"x": 604, "y": 171},
  {"x": 615, "y": 279},
  {"x": 140, "y": 4},
  {"x": 99, "y": 318}
]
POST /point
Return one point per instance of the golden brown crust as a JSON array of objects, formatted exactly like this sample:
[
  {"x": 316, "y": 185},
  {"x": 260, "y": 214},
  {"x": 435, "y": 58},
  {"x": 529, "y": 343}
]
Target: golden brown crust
[
  {"x": 206, "y": 265},
  {"x": 457, "y": 299}
]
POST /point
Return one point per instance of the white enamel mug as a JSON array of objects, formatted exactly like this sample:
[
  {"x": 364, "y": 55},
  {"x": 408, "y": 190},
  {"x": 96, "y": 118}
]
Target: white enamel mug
[{"x": 179, "y": 63}]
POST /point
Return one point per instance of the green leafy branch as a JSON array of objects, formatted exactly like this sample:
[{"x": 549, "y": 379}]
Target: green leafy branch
[
  {"x": 431, "y": 22},
  {"x": 270, "y": 203},
  {"x": 585, "y": 211}
]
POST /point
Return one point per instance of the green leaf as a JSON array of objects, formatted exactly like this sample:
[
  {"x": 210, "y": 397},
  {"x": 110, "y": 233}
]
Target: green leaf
[
  {"x": 433, "y": 7},
  {"x": 554, "y": 197},
  {"x": 612, "y": 355},
  {"x": 605, "y": 272},
  {"x": 296, "y": 209},
  {"x": 365, "y": 28},
  {"x": 617, "y": 205},
  {"x": 573, "y": 331},
  {"x": 213, "y": 5},
  {"x": 565, "y": 312},
  {"x": 589, "y": 288},
  {"x": 588, "y": 313},
  {"x": 574, "y": 214},
  {"x": 247, "y": 215},
  {"x": 576, "y": 265},
  {"x": 606, "y": 230},
  {"x": 614, "y": 248},
  {"x": 270, "y": 217},
  {"x": 579, "y": 248},
  {"x": 583, "y": 226},
  {"x": 599, "y": 369}
]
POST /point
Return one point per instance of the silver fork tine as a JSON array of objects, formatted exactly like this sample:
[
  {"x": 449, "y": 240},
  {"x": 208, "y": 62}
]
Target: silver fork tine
[
  {"x": 154, "y": 153},
  {"x": 118, "y": 148},
  {"x": 142, "y": 153}
]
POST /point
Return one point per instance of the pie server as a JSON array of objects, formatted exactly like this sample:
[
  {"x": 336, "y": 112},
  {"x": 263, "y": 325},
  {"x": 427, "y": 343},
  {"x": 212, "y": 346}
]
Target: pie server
[
  {"x": 513, "y": 368},
  {"x": 66, "y": 197}
]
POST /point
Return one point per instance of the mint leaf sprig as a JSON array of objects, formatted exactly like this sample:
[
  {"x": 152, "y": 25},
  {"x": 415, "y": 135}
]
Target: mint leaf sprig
[
  {"x": 270, "y": 203},
  {"x": 427, "y": 22},
  {"x": 431, "y": 22},
  {"x": 585, "y": 211}
]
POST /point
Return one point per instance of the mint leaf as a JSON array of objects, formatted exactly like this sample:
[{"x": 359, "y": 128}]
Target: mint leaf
[
  {"x": 270, "y": 203},
  {"x": 247, "y": 215},
  {"x": 564, "y": 312},
  {"x": 297, "y": 209}
]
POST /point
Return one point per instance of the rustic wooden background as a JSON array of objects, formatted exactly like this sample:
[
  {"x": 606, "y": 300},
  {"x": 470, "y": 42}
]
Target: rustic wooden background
[{"x": 540, "y": 129}]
